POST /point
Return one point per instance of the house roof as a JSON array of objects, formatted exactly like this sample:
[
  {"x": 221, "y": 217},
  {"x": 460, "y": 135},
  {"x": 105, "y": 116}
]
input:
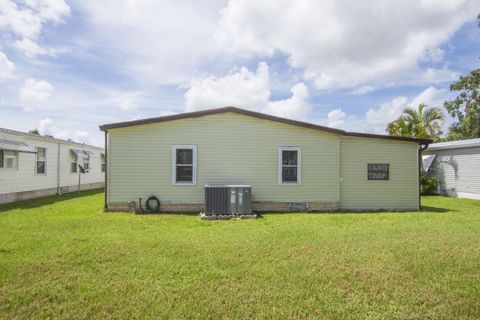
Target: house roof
[
  {"x": 258, "y": 115},
  {"x": 470, "y": 143},
  {"x": 45, "y": 138}
]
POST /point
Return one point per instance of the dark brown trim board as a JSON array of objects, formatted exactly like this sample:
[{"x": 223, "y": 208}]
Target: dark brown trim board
[
  {"x": 258, "y": 115},
  {"x": 106, "y": 169}
]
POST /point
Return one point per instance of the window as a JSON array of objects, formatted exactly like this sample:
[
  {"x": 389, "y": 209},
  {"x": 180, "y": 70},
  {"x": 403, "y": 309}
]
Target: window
[
  {"x": 40, "y": 167},
  {"x": 103, "y": 161},
  {"x": 86, "y": 164},
  {"x": 378, "y": 171},
  {"x": 184, "y": 162},
  {"x": 74, "y": 163},
  {"x": 10, "y": 159},
  {"x": 1, "y": 158},
  {"x": 289, "y": 165}
]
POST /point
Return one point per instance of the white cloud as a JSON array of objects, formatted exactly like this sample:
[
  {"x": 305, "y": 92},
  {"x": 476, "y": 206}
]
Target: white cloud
[
  {"x": 7, "y": 67},
  {"x": 26, "y": 19},
  {"x": 344, "y": 43},
  {"x": 242, "y": 89},
  {"x": 128, "y": 105},
  {"x": 35, "y": 91},
  {"x": 31, "y": 49},
  {"x": 246, "y": 89},
  {"x": 364, "y": 89},
  {"x": 48, "y": 127},
  {"x": 295, "y": 107},
  {"x": 161, "y": 41},
  {"x": 376, "y": 119},
  {"x": 336, "y": 118}
]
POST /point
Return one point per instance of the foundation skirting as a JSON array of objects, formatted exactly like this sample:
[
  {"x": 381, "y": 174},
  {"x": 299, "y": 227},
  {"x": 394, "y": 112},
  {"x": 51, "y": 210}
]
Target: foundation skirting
[
  {"x": 258, "y": 206},
  {"x": 32, "y": 194}
]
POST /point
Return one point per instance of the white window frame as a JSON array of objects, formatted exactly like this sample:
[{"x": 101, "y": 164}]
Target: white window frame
[
  {"x": 10, "y": 155},
  {"x": 174, "y": 163},
  {"x": 299, "y": 165},
  {"x": 36, "y": 161}
]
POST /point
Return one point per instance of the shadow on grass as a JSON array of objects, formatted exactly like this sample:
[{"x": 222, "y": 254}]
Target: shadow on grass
[
  {"x": 43, "y": 201},
  {"x": 426, "y": 209}
]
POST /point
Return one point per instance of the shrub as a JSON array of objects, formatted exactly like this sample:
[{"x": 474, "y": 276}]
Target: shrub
[{"x": 428, "y": 184}]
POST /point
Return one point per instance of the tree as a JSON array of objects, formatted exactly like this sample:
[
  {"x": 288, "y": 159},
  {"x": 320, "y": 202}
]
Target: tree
[
  {"x": 465, "y": 107},
  {"x": 34, "y": 131},
  {"x": 425, "y": 122}
]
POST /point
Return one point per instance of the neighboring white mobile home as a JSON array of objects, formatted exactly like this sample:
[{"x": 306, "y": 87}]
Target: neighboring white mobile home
[
  {"x": 456, "y": 164},
  {"x": 288, "y": 164},
  {"x": 33, "y": 166}
]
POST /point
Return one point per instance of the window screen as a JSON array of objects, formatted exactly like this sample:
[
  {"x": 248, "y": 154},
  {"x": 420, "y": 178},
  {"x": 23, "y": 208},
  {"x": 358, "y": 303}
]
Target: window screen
[
  {"x": 1, "y": 158},
  {"x": 378, "y": 171},
  {"x": 184, "y": 165},
  {"x": 289, "y": 170}
]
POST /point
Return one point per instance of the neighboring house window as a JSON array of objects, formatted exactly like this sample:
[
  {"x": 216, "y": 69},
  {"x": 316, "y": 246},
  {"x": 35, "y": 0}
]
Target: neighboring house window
[
  {"x": 41, "y": 167},
  {"x": 74, "y": 164},
  {"x": 86, "y": 164},
  {"x": 1, "y": 158},
  {"x": 289, "y": 165},
  {"x": 378, "y": 171},
  {"x": 103, "y": 162},
  {"x": 10, "y": 160},
  {"x": 184, "y": 162}
]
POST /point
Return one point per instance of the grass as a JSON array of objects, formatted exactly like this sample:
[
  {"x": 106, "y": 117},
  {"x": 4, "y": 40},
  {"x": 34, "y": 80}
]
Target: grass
[{"x": 63, "y": 257}]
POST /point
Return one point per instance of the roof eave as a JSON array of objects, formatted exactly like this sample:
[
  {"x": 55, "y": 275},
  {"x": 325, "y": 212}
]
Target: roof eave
[{"x": 259, "y": 115}]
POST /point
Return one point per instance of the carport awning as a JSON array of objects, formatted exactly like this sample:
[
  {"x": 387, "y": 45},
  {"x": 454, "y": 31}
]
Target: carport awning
[
  {"x": 79, "y": 153},
  {"x": 427, "y": 162},
  {"x": 18, "y": 146}
]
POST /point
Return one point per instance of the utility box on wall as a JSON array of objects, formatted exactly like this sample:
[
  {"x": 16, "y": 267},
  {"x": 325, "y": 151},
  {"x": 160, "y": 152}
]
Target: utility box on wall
[{"x": 228, "y": 199}]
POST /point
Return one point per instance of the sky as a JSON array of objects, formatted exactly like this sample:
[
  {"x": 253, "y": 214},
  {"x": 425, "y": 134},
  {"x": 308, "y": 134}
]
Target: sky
[{"x": 67, "y": 67}]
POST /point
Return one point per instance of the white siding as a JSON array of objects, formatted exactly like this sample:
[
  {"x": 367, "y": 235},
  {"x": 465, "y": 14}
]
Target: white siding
[
  {"x": 458, "y": 171},
  {"x": 24, "y": 177}
]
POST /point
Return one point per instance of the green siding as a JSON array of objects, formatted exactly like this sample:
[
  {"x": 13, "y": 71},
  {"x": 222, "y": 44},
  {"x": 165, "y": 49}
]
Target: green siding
[
  {"x": 231, "y": 148},
  {"x": 238, "y": 149},
  {"x": 399, "y": 192}
]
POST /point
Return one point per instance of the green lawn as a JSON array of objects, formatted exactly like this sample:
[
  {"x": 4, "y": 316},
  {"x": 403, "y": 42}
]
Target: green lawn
[{"x": 63, "y": 257}]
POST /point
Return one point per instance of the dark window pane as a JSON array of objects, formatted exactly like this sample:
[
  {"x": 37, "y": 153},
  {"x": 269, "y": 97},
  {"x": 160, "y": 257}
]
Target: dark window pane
[
  {"x": 184, "y": 156},
  {"x": 378, "y": 171},
  {"x": 103, "y": 167},
  {"x": 289, "y": 157},
  {"x": 1, "y": 159},
  {"x": 74, "y": 167},
  {"x": 86, "y": 165},
  {"x": 289, "y": 174},
  {"x": 184, "y": 174},
  {"x": 41, "y": 167}
]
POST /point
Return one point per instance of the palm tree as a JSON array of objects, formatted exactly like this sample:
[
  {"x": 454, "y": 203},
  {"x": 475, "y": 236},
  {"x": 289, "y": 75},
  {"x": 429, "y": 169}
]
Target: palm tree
[{"x": 425, "y": 122}]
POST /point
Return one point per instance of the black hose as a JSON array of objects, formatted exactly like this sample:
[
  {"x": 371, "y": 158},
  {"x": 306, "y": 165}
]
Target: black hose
[{"x": 150, "y": 208}]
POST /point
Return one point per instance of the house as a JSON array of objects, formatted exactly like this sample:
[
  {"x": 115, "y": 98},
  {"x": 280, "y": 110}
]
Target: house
[
  {"x": 289, "y": 164},
  {"x": 33, "y": 166},
  {"x": 456, "y": 164}
]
